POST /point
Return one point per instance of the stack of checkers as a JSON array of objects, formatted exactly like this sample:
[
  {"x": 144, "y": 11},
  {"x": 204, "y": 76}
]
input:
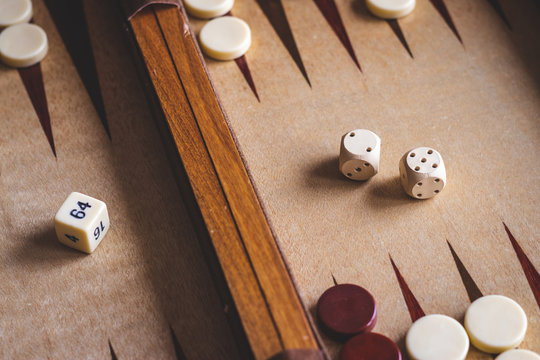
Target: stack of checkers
[
  {"x": 21, "y": 44},
  {"x": 494, "y": 324},
  {"x": 348, "y": 312}
]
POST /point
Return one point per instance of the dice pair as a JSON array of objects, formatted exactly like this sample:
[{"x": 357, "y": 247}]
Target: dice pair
[{"x": 421, "y": 170}]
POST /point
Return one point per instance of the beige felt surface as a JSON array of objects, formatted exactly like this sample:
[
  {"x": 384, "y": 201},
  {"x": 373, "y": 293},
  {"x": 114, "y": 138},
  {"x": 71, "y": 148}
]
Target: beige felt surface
[
  {"x": 149, "y": 272},
  {"x": 477, "y": 103}
]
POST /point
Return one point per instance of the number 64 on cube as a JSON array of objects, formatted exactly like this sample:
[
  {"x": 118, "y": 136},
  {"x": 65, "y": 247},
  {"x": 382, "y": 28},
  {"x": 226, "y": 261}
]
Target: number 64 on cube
[{"x": 81, "y": 222}]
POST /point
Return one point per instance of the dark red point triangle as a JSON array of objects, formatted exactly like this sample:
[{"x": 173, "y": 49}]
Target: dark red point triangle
[
  {"x": 242, "y": 64},
  {"x": 394, "y": 24},
  {"x": 177, "y": 348},
  {"x": 334, "y": 280},
  {"x": 274, "y": 12},
  {"x": 415, "y": 310},
  {"x": 32, "y": 79},
  {"x": 496, "y": 5},
  {"x": 528, "y": 268},
  {"x": 440, "y": 6},
  {"x": 244, "y": 68},
  {"x": 472, "y": 289},
  {"x": 330, "y": 12},
  {"x": 113, "y": 355},
  {"x": 70, "y": 20}
]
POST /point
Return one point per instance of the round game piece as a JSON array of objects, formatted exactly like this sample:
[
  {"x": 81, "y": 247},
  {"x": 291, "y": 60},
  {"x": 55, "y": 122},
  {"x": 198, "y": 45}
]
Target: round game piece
[
  {"x": 345, "y": 310},
  {"x": 495, "y": 323},
  {"x": 390, "y": 9},
  {"x": 518, "y": 354},
  {"x": 23, "y": 45},
  {"x": 225, "y": 38},
  {"x": 437, "y": 337},
  {"x": 14, "y": 12},
  {"x": 370, "y": 346},
  {"x": 207, "y": 9}
]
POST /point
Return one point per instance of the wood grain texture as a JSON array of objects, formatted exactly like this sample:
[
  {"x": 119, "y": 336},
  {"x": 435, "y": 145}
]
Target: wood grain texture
[
  {"x": 149, "y": 272},
  {"x": 477, "y": 104},
  {"x": 265, "y": 298}
]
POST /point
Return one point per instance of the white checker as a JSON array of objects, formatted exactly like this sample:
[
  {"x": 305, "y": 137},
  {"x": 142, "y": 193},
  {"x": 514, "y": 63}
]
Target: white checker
[
  {"x": 518, "y": 354},
  {"x": 390, "y": 9},
  {"x": 207, "y": 9},
  {"x": 14, "y": 12},
  {"x": 437, "y": 337},
  {"x": 23, "y": 45},
  {"x": 225, "y": 38},
  {"x": 495, "y": 323}
]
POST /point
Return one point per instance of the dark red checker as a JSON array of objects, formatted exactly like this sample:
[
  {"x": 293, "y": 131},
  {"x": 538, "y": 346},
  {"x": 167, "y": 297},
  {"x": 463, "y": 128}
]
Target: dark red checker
[
  {"x": 345, "y": 310},
  {"x": 370, "y": 346}
]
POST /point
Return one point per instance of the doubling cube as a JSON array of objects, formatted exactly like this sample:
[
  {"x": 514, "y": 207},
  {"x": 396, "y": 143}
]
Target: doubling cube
[{"x": 81, "y": 222}]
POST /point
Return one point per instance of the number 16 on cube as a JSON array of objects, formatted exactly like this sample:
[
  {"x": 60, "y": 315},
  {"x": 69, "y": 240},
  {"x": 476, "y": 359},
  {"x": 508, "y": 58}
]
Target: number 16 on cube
[{"x": 81, "y": 222}]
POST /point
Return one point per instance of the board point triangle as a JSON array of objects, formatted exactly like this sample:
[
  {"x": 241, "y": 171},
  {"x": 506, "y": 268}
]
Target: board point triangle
[
  {"x": 441, "y": 8},
  {"x": 330, "y": 12},
  {"x": 32, "y": 79},
  {"x": 275, "y": 13},
  {"x": 242, "y": 64},
  {"x": 473, "y": 291},
  {"x": 70, "y": 20},
  {"x": 496, "y": 5},
  {"x": 532, "y": 275},
  {"x": 244, "y": 68},
  {"x": 111, "y": 350},
  {"x": 177, "y": 347},
  {"x": 394, "y": 25},
  {"x": 415, "y": 310}
]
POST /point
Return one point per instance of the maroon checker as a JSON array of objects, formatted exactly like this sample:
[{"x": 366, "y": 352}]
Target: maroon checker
[
  {"x": 345, "y": 310},
  {"x": 370, "y": 346}
]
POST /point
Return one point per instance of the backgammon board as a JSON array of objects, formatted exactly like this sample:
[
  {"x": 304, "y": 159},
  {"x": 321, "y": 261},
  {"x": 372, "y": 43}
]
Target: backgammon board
[{"x": 460, "y": 76}]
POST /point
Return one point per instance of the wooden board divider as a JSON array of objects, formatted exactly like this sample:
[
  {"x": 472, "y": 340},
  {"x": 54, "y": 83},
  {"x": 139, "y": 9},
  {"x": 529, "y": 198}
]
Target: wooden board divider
[{"x": 268, "y": 306}]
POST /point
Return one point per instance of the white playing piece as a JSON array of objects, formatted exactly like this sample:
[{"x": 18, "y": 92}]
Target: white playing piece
[
  {"x": 23, "y": 45},
  {"x": 225, "y": 38},
  {"x": 390, "y": 9},
  {"x": 206, "y": 9},
  {"x": 495, "y": 323},
  {"x": 15, "y": 12},
  {"x": 437, "y": 337},
  {"x": 518, "y": 354}
]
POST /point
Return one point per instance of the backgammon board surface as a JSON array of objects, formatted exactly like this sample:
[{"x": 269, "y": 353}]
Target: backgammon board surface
[{"x": 460, "y": 76}]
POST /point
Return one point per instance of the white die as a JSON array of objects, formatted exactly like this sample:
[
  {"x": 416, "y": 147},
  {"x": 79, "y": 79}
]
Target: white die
[
  {"x": 422, "y": 173},
  {"x": 81, "y": 222},
  {"x": 359, "y": 154}
]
